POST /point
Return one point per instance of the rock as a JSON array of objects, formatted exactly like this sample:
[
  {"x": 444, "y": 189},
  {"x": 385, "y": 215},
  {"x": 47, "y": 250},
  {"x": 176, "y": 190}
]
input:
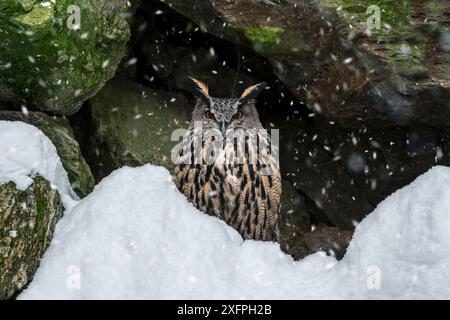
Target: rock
[
  {"x": 321, "y": 50},
  {"x": 331, "y": 240},
  {"x": 294, "y": 221},
  {"x": 293, "y": 207},
  {"x": 58, "y": 130},
  {"x": 27, "y": 220},
  {"x": 381, "y": 161},
  {"x": 310, "y": 159},
  {"x": 404, "y": 66},
  {"x": 300, "y": 238},
  {"x": 132, "y": 125},
  {"x": 54, "y": 55},
  {"x": 200, "y": 64},
  {"x": 170, "y": 49},
  {"x": 346, "y": 172}
]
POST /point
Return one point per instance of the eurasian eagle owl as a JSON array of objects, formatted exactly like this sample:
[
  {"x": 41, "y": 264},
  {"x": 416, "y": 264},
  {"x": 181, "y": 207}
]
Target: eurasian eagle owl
[{"x": 228, "y": 167}]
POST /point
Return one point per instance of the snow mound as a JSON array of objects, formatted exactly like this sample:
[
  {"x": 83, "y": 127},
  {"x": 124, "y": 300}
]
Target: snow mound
[
  {"x": 407, "y": 240},
  {"x": 26, "y": 152},
  {"x": 137, "y": 237}
]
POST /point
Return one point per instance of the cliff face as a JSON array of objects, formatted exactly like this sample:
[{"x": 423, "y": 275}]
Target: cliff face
[{"x": 340, "y": 59}]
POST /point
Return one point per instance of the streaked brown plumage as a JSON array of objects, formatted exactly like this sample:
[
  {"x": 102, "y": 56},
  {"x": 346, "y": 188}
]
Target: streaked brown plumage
[{"x": 240, "y": 193}]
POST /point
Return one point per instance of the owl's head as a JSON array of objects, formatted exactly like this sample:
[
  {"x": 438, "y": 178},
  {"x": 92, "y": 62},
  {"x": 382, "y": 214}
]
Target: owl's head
[{"x": 226, "y": 113}]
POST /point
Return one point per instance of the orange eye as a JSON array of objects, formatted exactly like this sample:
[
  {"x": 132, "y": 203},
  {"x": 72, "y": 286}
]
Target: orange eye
[
  {"x": 208, "y": 114},
  {"x": 238, "y": 115}
]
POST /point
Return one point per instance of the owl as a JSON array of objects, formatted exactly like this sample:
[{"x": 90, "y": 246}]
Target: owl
[{"x": 228, "y": 167}]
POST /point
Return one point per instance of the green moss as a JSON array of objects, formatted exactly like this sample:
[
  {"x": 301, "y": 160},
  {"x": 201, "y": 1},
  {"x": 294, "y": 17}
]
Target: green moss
[
  {"x": 263, "y": 36},
  {"x": 41, "y": 206},
  {"x": 276, "y": 40},
  {"x": 407, "y": 59},
  {"x": 37, "y": 17},
  {"x": 9, "y": 7},
  {"x": 52, "y": 67},
  {"x": 32, "y": 213}
]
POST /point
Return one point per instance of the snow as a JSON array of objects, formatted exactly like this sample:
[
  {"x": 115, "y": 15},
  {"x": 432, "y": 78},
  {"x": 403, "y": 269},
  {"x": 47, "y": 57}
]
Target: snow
[
  {"x": 407, "y": 237},
  {"x": 26, "y": 152},
  {"x": 136, "y": 236}
]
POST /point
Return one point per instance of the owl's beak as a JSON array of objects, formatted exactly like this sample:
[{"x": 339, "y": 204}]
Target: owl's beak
[{"x": 223, "y": 127}]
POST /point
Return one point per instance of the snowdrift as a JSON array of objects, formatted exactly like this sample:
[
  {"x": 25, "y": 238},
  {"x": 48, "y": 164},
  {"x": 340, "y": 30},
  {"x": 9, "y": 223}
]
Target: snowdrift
[{"x": 137, "y": 237}]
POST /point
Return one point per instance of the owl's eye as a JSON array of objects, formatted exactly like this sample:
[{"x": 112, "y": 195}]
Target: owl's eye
[
  {"x": 208, "y": 114},
  {"x": 238, "y": 115}
]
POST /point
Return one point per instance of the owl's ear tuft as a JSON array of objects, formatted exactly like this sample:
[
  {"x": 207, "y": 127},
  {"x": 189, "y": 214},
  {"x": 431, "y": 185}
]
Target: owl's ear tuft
[
  {"x": 252, "y": 92},
  {"x": 200, "y": 89}
]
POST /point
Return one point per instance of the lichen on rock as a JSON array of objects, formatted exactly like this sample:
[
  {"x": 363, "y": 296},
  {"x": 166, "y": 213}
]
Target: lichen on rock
[{"x": 27, "y": 221}]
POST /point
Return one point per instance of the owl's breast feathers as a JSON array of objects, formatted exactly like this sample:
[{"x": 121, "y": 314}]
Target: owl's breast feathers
[{"x": 245, "y": 194}]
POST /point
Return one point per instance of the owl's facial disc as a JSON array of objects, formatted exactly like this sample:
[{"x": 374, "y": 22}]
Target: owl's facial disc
[{"x": 223, "y": 110}]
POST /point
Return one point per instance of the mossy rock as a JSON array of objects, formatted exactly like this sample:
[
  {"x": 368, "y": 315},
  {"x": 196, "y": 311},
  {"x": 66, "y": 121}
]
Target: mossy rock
[
  {"x": 270, "y": 27},
  {"x": 396, "y": 13},
  {"x": 326, "y": 56},
  {"x": 263, "y": 38},
  {"x": 58, "y": 130},
  {"x": 49, "y": 61},
  {"x": 276, "y": 40},
  {"x": 132, "y": 125},
  {"x": 27, "y": 221}
]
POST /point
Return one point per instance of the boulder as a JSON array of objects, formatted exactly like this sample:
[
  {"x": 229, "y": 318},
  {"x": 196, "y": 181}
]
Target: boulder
[
  {"x": 404, "y": 65},
  {"x": 346, "y": 172},
  {"x": 311, "y": 161},
  {"x": 54, "y": 55},
  {"x": 58, "y": 130},
  {"x": 27, "y": 221},
  {"x": 331, "y": 240},
  {"x": 299, "y": 237},
  {"x": 325, "y": 54},
  {"x": 132, "y": 125}
]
